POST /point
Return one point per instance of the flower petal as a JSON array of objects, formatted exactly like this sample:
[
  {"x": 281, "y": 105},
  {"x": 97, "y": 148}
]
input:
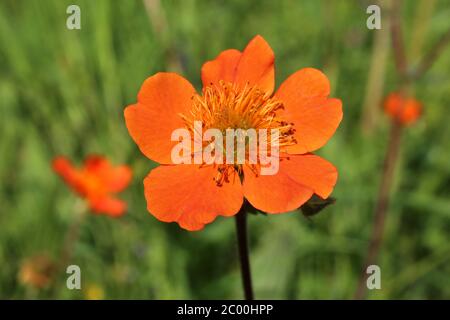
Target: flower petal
[
  {"x": 119, "y": 178},
  {"x": 114, "y": 179},
  {"x": 277, "y": 193},
  {"x": 155, "y": 116},
  {"x": 95, "y": 164},
  {"x": 108, "y": 205},
  {"x": 411, "y": 112},
  {"x": 187, "y": 194},
  {"x": 393, "y": 104},
  {"x": 313, "y": 172},
  {"x": 222, "y": 68},
  {"x": 316, "y": 118},
  {"x": 256, "y": 65},
  {"x": 71, "y": 175}
]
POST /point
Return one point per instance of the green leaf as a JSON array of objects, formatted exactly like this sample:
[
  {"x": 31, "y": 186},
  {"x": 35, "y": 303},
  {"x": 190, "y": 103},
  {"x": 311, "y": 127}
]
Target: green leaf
[{"x": 316, "y": 204}]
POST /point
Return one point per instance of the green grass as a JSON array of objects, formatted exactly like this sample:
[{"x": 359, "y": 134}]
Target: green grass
[{"x": 63, "y": 92}]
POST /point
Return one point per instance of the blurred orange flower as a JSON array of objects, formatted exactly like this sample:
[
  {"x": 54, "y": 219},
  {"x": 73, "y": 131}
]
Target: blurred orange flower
[
  {"x": 37, "y": 271},
  {"x": 96, "y": 181},
  {"x": 238, "y": 93},
  {"x": 405, "y": 110}
]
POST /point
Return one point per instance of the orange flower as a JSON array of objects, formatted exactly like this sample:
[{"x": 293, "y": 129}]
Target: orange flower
[
  {"x": 405, "y": 110},
  {"x": 37, "y": 271},
  {"x": 238, "y": 93},
  {"x": 96, "y": 181}
]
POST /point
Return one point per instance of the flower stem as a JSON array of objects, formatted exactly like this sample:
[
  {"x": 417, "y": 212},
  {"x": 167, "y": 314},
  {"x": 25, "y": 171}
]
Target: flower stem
[
  {"x": 381, "y": 207},
  {"x": 70, "y": 240},
  {"x": 397, "y": 39},
  {"x": 72, "y": 235},
  {"x": 241, "y": 230},
  {"x": 428, "y": 60},
  {"x": 390, "y": 159}
]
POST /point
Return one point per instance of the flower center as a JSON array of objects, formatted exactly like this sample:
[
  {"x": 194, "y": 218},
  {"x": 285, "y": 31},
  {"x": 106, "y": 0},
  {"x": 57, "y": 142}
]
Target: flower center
[{"x": 227, "y": 106}]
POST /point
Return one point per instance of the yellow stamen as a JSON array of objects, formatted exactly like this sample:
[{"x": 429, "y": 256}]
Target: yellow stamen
[{"x": 229, "y": 106}]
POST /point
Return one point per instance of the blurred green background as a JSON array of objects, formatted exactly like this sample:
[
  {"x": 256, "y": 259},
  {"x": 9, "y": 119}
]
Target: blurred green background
[{"x": 63, "y": 92}]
